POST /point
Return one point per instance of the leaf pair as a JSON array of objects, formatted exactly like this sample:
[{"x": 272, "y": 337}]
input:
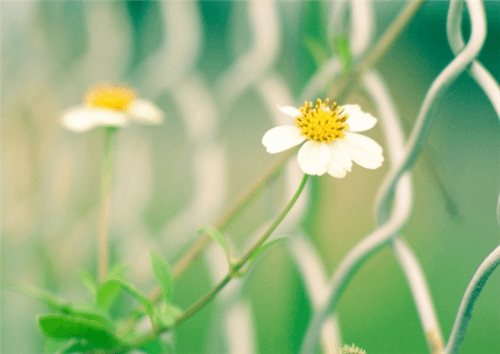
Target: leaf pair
[{"x": 217, "y": 237}]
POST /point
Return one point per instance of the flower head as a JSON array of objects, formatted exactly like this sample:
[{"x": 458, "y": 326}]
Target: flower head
[
  {"x": 110, "y": 106},
  {"x": 332, "y": 142}
]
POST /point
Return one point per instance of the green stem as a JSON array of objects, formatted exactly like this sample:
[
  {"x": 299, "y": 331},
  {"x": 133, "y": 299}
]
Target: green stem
[
  {"x": 273, "y": 226},
  {"x": 194, "y": 252},
  {"x": 233, "y": 273},
  {"x": 234, "y": 210},
  {"x": 106, "y": 177},
  {"x": 346, "y": 85}
]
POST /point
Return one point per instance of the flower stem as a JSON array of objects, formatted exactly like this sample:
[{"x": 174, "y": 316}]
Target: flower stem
[
  {"x": 193, "y": 253},
  {"x": 191, "y": 311},
  {"x": 234, "y": 210},
  {"x": 273, "y": 226},
  {"x": 106, "y": 177},
  {"x": 233, "y": 273},
  {"x": 345, "y": 86}
]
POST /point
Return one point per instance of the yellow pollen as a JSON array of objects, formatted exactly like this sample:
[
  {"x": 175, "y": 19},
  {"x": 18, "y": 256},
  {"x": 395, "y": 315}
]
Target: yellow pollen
[
  {"x": 117, "y": 98},
  {"x": 322, "y": 123}
]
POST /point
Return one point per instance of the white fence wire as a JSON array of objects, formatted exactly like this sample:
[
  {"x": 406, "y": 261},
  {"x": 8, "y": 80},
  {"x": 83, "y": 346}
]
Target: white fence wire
[{"x": 203, "y": 114}]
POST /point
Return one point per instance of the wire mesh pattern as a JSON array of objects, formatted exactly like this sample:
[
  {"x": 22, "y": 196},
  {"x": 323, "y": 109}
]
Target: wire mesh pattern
[{"x": 205, "y": 108}]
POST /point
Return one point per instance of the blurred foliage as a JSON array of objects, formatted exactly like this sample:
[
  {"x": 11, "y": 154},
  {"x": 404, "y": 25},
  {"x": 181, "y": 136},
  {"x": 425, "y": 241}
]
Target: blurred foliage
[{"x": 50, "y": 177}]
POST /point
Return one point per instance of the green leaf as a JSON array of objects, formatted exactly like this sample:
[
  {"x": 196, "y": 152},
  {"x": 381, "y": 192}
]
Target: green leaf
[
  {"x": 107, "y": 293},
  {"x": 90, "y": 312},
  {"x": 67, "y": 346},
  {"x": 81, "y": 346},
  {"x": 117, "y": 272},
  {"x": 318, "y": 51},
  {"x": 65, "y": 327},
  {"x": 158, "y": 346},
  {"x": 58, "y": 346},
  {"x": 112, "y": 284},
  {"x": 88, "y": 281},
  {"x": 217, "y": 237},
  {"x": 163, "y": 275},
  {"x": 344, "y": 51},
  {"x": 261, "y": 249}
]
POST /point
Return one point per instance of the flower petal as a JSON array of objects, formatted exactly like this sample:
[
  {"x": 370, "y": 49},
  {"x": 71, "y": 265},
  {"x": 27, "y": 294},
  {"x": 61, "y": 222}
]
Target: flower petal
[
  {"x": 358, "y": 120},
  {"x": 146, "y": 112},
  {"x": 282, "y": 138},
  {"x": 335, "y": 169},
  {"x": 81, "y": 118},
  {"x": 364, "y": 151},
  {"x": 289, "y": 110},
  {"x": 313, "y": 157},
  {"x": 340, "y": 155}
]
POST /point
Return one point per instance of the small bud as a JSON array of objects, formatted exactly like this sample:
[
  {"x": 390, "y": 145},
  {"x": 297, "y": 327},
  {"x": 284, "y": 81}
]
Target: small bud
[{"x": 351, "y": 349}]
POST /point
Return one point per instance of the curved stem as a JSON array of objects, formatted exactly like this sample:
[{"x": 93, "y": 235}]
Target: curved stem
[
  {"x": 200, "y": 304},
  {"x": 233, "y": 273},
  {"x": 194, "y": 252},
  {"x": 106, "y": 177},
  {"x": 234, "y": 210},
  {"x": 345, "y": 86}
]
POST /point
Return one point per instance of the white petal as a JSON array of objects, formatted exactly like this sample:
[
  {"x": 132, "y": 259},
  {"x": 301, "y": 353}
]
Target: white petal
[
  {"x": 336, "y": 170},
  {"x": 282, "y": 138},
  {"x": 313, "y": 157},
  {"x": 81, "y": 118},
  {"x": 289, "y": 110},
  {"x": 358, "y": 120},
  {"x": 363, "y": 150},
  {"x": 146, "y": 112},
  {"x": 340, "y": 155}
]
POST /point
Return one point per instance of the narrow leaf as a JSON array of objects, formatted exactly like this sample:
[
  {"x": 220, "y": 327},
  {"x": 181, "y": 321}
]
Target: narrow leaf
[
  {"x": 117, "y": 272},
  {"x": 163, "y": 275},
  {"x": 88, "y": 281},
  {"x": 65, "y": 326},
  {"x": 107, "y": 293},
  {"x": 217, "y": 237},
  {"x": 344, "y": 51},
  {"x": 117, "y": 283}
]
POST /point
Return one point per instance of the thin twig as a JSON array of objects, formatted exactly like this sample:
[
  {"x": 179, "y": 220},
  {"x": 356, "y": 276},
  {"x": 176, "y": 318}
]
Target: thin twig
[
  {"x": 106, "y": 176},
  {"x": 232, "y": 274},
  {"x": 193, "y": 254}
]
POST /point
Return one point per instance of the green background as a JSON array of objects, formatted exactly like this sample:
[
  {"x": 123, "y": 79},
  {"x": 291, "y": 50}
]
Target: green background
[{"x": 450, "y": 233}]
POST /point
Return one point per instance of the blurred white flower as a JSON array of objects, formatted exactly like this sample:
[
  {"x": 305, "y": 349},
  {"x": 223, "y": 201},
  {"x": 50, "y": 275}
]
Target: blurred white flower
[
  {"x": 332, "y": 144},
  {"x": 110, "y": 106}
]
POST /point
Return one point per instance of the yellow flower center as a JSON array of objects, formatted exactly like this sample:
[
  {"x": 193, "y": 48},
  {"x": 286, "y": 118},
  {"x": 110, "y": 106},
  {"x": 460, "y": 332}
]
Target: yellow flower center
[
  {"x": 322, "y": 123},
  {"x": 117, "y": 98}
]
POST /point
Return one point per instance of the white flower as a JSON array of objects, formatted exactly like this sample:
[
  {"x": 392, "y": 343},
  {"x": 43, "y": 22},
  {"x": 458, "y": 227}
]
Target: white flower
[
  {"x": 332, "y": 143},
  {"x": 110, "y": 106}
]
